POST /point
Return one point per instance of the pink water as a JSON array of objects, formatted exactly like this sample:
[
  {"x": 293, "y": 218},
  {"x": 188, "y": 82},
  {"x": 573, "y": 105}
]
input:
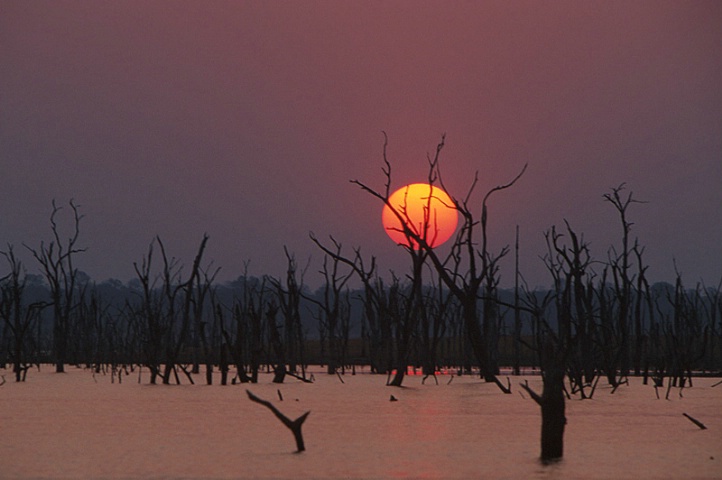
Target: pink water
[{"x": 73, "y": 425}]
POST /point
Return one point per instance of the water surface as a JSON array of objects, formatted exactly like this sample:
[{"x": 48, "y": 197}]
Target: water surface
[{"x": 79, "y": 425}]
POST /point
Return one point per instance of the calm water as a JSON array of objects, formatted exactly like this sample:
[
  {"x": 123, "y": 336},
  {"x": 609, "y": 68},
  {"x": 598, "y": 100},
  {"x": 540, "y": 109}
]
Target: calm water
[{"x": 75, "y": 426}]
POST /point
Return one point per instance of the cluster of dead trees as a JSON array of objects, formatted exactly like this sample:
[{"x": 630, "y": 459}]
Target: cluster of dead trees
[{"x": 600, "y": 320}]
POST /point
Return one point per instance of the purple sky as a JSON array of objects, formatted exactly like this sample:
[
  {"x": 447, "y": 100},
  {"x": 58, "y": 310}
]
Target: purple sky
[{"x": 246, "y": 120}]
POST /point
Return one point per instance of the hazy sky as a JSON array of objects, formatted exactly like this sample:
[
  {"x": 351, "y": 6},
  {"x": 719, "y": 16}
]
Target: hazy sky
[{"x": 246, "y": 120}]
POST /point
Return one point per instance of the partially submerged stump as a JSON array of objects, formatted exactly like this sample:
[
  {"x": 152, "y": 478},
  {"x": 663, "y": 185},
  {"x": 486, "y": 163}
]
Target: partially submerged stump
[
  {"x": 293, "y": 425},
  {"x": 554, "y": 420}
]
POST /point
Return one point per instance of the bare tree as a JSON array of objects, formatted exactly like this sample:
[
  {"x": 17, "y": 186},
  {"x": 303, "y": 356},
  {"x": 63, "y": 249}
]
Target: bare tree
[
  {"x": 466, "y": 269},
  {"x": 290, "y": 350},
  {"x": 623, "y": 278},
  {"x": 569, "y": 266},
  {"x": 17, "y": 316},
  {"x": 248, "y": 313},
  {"x": 551, "y": 400},
  {"x": 334, "y": 309},
  {"x": 153, "y": 323},
  {"x": 56, "y": 260}
]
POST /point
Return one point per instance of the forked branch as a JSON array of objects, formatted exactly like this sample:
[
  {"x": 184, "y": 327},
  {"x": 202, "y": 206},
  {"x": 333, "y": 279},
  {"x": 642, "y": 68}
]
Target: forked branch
[{"x": 293, "y": 425}]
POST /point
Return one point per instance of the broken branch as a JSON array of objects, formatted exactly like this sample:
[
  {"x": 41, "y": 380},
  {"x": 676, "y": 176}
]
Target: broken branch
[
  {"x": 293, "y": 425},
  {"x": 696, "y": 422}
]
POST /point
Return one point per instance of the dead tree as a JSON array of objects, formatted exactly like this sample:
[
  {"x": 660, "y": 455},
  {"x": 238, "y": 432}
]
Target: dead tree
[
  {"x": 435, "y": 311},
  {"x": 279, "y": 347},
  {"x": 246, "y": 340},
  {"x": 516, "y": 369},
  {"x": 289, "y": 303},
  {"x": 334, "y": 309},
  {"x": 569, "y": 266},
  {"x": 712, "y": 306},
  {"x": 204, "y": 289},
  {"x": 552, "y": 354},
  {"x": 18, "y": 317},
  {"x": 551, "y": 401},
  {"x": 621, "y": 274},
  {"x": 426, "y": 231},
  {"x": 642, "y": 291},
  {"x": 477, "y": 264},
  {"x": 56, "y": 260},
  {"x": 376, "y": 325},
  {"x": 150, "y": 315}
]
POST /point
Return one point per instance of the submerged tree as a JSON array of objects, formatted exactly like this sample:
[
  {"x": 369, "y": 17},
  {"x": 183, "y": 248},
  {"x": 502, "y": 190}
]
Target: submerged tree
[
  {"x": 466, "y": 271},
  {"x": 18, "y": 317},
  {"x": 334, "y": 310},
  {"x": 56, "y": 260}
]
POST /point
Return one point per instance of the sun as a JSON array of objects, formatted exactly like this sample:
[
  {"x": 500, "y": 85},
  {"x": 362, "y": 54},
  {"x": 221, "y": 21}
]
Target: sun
[{"x": 427, "y": 210}]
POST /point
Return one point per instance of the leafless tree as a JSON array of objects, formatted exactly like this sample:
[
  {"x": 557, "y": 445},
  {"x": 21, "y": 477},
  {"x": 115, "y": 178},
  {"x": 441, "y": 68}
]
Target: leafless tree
[
  {"x": 56, "y": 260},
  {"x": 18, "y": 317},
  {"x": 570, "y": 268},
  {"x": 288, "y": 298},
  {"x": 620, "y": 263},
  {"x": 334, "y": 308},
  {"x": 467, "y": 268},
  {"x": 248, "y": 314}
]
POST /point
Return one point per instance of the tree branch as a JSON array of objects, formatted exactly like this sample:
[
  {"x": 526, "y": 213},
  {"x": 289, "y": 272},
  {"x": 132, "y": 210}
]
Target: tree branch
[{"x": 293, "y": 425}]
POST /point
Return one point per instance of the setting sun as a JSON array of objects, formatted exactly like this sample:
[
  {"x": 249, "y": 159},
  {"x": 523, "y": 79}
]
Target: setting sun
[{"x": 427, "y": 210}]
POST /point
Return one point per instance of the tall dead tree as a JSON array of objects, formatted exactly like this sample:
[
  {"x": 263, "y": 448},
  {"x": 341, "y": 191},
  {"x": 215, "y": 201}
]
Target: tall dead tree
[
  {"x": 467, "y": 268},
  {"x": 623, "y": 278},
  {"x": 334, "y": 308},
  {"x": 205, "y": 324},
  {"x": 56, "y": 260},
  {"x": 288, "y": 299},
  {"x": 179, "y": 294},
  {"x": 150, "y": 316},
  {"x": 569, "y": 266},
  {"x": 418, "y": 233}
]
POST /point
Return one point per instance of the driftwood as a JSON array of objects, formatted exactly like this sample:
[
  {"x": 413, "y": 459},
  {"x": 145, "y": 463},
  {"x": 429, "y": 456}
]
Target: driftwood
[
  {"x": 298, "y": 377},
  {"x": 293, "y": 425},
  {"x": 507, "y": 389},
  {"x": 696, "y": 422}
]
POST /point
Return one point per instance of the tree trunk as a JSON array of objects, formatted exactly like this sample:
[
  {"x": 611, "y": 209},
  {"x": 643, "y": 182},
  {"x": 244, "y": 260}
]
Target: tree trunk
[
  {"x": 553, "y": 407},
  {"x": 553, "y": 417}
]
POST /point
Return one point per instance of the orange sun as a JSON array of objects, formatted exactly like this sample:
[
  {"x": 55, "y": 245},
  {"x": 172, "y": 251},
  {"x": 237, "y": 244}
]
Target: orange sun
[{"x": 427, "y": 210}]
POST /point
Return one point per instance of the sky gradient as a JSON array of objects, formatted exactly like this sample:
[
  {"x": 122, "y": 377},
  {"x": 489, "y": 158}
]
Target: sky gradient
[{"x": 246, "y": 120}]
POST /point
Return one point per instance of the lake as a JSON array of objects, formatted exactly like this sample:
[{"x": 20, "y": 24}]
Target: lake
[{"x": 80, "y": 425}]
